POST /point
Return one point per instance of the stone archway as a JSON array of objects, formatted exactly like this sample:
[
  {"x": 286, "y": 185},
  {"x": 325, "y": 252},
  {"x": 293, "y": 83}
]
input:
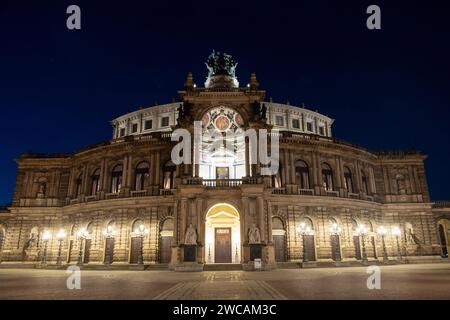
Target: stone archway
[{"x": 223, "y": 234}]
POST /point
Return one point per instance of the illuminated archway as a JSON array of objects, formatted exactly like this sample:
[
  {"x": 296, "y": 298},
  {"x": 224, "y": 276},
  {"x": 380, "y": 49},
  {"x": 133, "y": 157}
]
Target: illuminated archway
[{"x": 223, "y": 234}]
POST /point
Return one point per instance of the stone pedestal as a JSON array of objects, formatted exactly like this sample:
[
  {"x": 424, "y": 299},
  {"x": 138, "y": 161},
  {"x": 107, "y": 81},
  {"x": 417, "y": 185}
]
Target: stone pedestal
[
  {"x": 310, "y": 264},
  {"x": 189, "y": 267},
  {"x": 175, "y": 258},
  {"x": 189, "y": 253},
  {"x": 255, "y": 251},
  {"x": 342, "y": 263}
]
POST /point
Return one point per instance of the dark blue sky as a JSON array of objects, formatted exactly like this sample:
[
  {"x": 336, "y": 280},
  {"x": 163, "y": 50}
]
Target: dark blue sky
[{"x": 387, "y": 89}]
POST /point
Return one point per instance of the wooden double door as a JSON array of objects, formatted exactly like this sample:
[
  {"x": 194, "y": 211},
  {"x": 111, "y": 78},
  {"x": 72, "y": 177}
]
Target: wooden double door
[
  {"x": 280, "y": 247},
  {"x": 222, "y": 246},
  {"x": 165, "y": 248}
]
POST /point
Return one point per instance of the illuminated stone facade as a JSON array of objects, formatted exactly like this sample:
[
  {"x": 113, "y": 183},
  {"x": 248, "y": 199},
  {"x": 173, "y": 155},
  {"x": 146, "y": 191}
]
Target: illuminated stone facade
[{"x": 126, "y": 195}]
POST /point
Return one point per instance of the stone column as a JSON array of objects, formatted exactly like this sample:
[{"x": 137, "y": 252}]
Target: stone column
[
  {"x": 124, "y": 171},
  {"x": 303, "y": 123},
  {"x": 316, "y": 126},
  {"x": 70, "y": 187},
  {"x": 339, "y": 173},
  {"x": 270, "y": 249},
  {"x": 387, "y": 181},
  {"x": 182, "y": 217},
  {"x": 372, "y": 185},
  {"x": 292, "y": 171},
  {"x": 176, "y": 252},
  {"x": 158, "y": 167},
  {"x": 200, "y": 230},
  {"x": 269, "y": 223},
  {"x": 358, "y": 178},
  {"x": 262, "y": 226},
  {"x": 103, "y": 179},
  {"x": 287, "y": 167},
  {"x": 283, "y": 168},
  {"x": 130, "y": 173},
  {"x": 247, "y": 158},
  {"x": 85, "y": 181},
  {"x": 412, "y": 180}
]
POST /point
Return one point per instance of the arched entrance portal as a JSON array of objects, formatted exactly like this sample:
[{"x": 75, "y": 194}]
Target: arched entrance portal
[{"x": 222, "y": 234}]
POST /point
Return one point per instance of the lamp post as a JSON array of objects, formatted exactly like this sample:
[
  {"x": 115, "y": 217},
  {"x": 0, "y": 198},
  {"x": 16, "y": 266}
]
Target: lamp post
[
  {"x": 109, "y": 233},
  {"x": 61, "y": 235},
  {"x": 362, "y": 231},
  {"x": 81, "y": 235},
  {"x": 304, "y": 231},
  {"x": 335, "y": 231},
  {"x": 46, "y": 236},
  {"x": 141, "y": 232},
  {"x": 382, "y": 232},
  {"x": 396, "y": 233}
]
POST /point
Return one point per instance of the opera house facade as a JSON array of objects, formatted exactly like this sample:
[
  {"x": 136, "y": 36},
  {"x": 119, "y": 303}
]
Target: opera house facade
[{"x": 126, "y": 202}]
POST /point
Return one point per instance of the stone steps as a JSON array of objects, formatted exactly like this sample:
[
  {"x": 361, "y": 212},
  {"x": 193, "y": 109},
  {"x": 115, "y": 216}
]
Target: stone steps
[{"x": 222, "y": 267}]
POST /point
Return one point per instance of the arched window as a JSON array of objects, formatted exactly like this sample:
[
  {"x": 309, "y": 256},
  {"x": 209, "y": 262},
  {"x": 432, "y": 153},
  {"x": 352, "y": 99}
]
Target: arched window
[
  {"x": 169, "y": 175},
  {"x": 141, "y": 176},
  {"x": 348, "y": 181},
  {"x": 354, "y": 225},
  {"x": 90, "y": 228},
  {"x": 78, "y": 184},
  {"x": 327, "y": 177},
  {"x": 136, "y": 227},
  {"x": 365, "y": 184},
  {"x": 116, "y": 179},
  {"x": 302, "y": 174},
  {"x": 308, "y": 223},
  {"x": 95, "y": 182}
]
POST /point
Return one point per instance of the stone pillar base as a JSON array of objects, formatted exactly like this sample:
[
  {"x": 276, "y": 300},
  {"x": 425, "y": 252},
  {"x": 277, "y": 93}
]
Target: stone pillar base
[
  {"x": 309, "y": 264},
  {"x": 189, "y": 267},
  {"x": 250, "y": 266}
]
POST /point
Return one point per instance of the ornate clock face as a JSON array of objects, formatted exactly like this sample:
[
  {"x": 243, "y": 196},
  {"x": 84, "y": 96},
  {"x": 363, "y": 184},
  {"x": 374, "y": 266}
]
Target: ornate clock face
[{"x": 222, "y": 119}]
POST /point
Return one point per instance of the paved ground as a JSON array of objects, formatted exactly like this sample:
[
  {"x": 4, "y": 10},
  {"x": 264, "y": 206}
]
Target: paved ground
[{"x": 427, "y": 281}]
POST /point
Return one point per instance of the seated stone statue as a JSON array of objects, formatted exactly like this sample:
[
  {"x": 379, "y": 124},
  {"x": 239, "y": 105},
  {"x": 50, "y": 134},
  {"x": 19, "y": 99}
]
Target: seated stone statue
[
  {"x": 191, "y": 236},
  {"x": 254, "y": 236}
]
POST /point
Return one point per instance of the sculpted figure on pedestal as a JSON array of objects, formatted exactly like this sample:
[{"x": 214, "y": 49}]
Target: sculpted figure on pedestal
[
  {"x": 254, "y": 236},
  {"x": 191, "y": 236}
]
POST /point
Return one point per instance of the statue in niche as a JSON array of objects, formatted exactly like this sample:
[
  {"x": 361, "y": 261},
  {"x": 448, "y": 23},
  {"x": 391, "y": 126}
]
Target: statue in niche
[
  {"x": 254, "y": 236},
  {"x": 263, "y": 111},
  {"x": 191, "y": 236},
  {"x": 411, "y": 238},
  {"x": 33, "y": 239},
  {"x": 180, "y": 112},
  {"x": 401, "y": 184},
  {"x": 41, "y": 190},
  {"x": 256, "y": 107}
]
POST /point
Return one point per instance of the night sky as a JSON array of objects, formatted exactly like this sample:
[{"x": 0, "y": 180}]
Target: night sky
[{"x": 387, "y": 89}]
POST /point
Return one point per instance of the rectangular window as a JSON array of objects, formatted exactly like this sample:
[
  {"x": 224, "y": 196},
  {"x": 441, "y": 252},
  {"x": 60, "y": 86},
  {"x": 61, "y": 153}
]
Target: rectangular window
[
  {"x": 321, "y": 131},
  {"x": 122, "y": 132},
  {"x": 164, "y": 122},
  {"x": 148, "y": 124},
  {"x": 295, "y": 123},
  {"x": 309, "y": 126},
  {"x": 134, "y": 128},
  {"x": 279, "y": 121}
]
